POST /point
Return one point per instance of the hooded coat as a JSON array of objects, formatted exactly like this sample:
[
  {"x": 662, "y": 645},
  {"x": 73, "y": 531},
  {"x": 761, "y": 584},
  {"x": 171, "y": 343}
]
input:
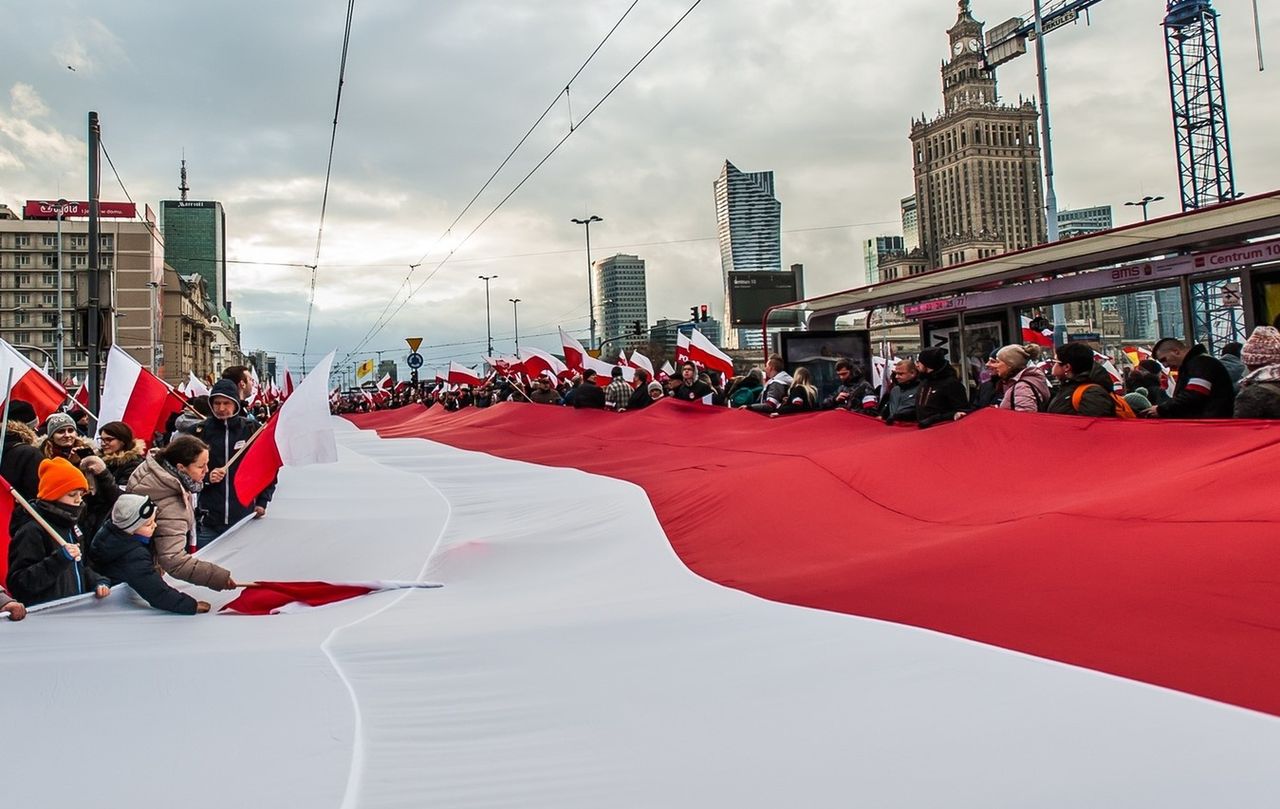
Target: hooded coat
[
  {"x": 218, "y": 505},
  {"x": 175, "y": 526},
  {"x": 121, "y": 464},
  {"x": 1259, "y": 394}
]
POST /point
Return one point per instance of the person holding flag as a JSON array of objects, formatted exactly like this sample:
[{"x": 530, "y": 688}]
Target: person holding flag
[
  {"x": 47, "y": 565},
  {"x": 227, "y": 432}
]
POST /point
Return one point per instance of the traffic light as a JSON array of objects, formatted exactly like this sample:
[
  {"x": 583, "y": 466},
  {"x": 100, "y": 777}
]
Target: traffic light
[
  {"x": 637, "y": 328},
  {"x": 705, "y": 315},
  {"x": 693, "y": 314}
]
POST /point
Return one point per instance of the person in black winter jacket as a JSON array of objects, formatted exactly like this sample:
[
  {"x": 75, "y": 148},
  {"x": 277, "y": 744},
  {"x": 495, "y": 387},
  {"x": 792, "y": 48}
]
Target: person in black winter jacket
[
  {"x": 21, "y": 463},
  {"x": 855, "y": 392},
  {"x": 589, "y": 394},
  {"x": 122, "y": 552},
  {"x": 41, "y": 569},
  {"x": 226, "y": 433},
  {"x": 1204, "y": 389},
  {"x": 942, "y": 394}
]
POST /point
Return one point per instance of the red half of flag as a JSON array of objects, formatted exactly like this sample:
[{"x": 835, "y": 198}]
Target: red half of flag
[
  {"x": 30, "y": 384},
  {"x": 259, "y": 465},
  {"x": 6, "y": 516},
  {"x": 272, "y": 597}
]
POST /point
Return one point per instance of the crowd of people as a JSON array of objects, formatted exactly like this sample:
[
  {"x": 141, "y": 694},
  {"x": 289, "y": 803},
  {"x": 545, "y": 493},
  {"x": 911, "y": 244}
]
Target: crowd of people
[
  {"x": 1179, "y": 381},
  {"x": 113, "y": 510}
]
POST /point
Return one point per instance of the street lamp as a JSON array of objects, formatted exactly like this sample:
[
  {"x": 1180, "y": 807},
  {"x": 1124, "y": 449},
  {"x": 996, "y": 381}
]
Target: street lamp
[
  {"x": 591, "y": 294},
  {"x": 61, "y": 337},
  {"x": 488, "y": 321},
  {"x": 1144, "y": 202},
  {"x": 515, "y": 314}
]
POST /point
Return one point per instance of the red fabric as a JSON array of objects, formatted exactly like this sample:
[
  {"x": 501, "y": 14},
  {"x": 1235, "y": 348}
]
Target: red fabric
[
  {"x": 259, "y": 465},
  {"x": 265, "y": 597},
  {"x": 44, "y": 395},
  {"x": 1019, "y": 530},
  {"x": 149, "y": 406},
  {"x": 6, "y": 516}
]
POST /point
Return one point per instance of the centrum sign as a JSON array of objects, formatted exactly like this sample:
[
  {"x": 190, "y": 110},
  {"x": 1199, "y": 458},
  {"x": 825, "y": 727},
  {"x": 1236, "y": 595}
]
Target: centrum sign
[
  {"x": 48, "y": 209},
  {"x": 1241, "y": 256}
]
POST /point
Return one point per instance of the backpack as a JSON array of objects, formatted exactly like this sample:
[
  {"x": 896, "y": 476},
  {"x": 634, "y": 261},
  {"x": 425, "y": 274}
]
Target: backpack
[{"x": 1123, "y": 410}]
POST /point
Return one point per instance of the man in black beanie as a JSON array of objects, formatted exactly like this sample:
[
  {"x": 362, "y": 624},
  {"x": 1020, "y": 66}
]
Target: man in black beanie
[{"x": 942, "y": 394}]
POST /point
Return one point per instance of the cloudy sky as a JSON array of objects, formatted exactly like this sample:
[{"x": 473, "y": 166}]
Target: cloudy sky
[{"x": 821, "y": 92}]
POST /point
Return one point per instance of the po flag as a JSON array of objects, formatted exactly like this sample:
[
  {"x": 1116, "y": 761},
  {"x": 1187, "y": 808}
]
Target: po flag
[
  {"x": 29, "y": 384},
  {"x": 134, "y": 395},
  {"x": 300, "y": 433}
]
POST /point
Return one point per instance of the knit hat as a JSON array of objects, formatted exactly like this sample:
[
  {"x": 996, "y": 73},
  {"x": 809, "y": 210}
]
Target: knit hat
[
  {"x": 23, "y": 412},
  {"x": 933, "y": 358},
  {"x": 655, "y": 386},
  {"x": 1138, "y": 400},
  {"x": 1262, "y": 347},
  {"x": 131, "y": 511},
  {"x": 57, "y": 477},
  {"x": 226, "y": 389},
  {"x": 58, "y": 421}
]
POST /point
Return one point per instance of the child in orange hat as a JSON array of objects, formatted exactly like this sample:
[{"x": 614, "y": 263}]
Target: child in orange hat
[{"x": 41, "y": 569}]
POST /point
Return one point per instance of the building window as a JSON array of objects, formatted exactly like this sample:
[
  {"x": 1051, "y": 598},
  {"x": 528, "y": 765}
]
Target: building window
[
  {"x": 50, "y": 279},
  {"x": 48, "y": 260},
  {"x": 22, "y": 279},
  {"x": 50, "y": 298},
  {"x": 21, "y": 298},
  {"x": 21, "y": 336},
  {"x": 20, "y": 319},
  {"x": 79, "y": 261},
  {"x": 21, "y": 240},
  {"x": 80, "y": 241},
  {"x": 49, "y": 240},
  {"x": 49, "y": 318},
  {"x": 106, "y": 241},
  {"x": 22, "y": 259}
]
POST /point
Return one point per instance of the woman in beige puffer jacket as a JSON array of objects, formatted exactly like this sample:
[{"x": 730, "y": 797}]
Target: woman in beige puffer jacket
[{"x": 170, "y": 478}]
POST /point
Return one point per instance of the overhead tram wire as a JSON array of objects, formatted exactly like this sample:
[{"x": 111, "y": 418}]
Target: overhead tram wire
[
  {"x": 541, "y": 162},
  {"x": 378, "y": 322},
  {"x": 324, "y": 202}
]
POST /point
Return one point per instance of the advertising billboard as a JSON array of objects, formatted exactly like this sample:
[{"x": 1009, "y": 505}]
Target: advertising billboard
[{"x": 48, "y": 209}]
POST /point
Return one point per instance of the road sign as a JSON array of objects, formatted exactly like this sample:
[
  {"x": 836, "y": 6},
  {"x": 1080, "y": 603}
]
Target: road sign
[
  {"x": 413, "y": 342},
  {"x": 414, "y": 360},
  {"x": 1230, "y": 292}
]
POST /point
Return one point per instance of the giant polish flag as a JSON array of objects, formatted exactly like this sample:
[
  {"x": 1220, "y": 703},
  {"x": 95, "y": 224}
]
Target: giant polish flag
[
  {"x": 574, "y": 353},
  {"x": 704, "y": 353},
  {"x": 29, "y": 383},
  {"x": 299, "y": 434},
  {"x": 134, "y": 395}
]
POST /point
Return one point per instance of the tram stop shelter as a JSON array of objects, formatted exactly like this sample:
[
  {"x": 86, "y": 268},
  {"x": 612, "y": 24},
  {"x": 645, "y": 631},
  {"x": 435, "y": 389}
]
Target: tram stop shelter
[{"x": 1210, "y": 274}]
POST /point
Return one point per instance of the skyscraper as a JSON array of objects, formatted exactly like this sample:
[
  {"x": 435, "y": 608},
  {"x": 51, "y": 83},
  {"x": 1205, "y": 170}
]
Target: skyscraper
[
  {"x": 873, "y": 248},
  {"x": 195, "y": 241},
  {"x": 749, "y": 225},
  {"x": 977, "y": 165},
  {"x": 621, "y": 301}
]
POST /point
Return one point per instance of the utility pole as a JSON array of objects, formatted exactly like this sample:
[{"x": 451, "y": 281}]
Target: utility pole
[
  {"x": 95, "y": 294},
  {"x": 591, "y": 290},
  {"x": 61, "y": 334}
]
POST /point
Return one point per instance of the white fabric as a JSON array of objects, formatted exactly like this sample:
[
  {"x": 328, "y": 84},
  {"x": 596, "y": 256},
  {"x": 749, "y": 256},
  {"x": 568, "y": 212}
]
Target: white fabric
[
  {"x": 117, "y": 385},
  {"x": 304, "y": 428},
  {"x": 570, "y": 661},
  {"x": 195, "y": 387}
]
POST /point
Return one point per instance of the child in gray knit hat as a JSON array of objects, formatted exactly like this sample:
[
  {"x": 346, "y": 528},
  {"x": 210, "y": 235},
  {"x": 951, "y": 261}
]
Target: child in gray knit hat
[{"x": 121, "y": 551}]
